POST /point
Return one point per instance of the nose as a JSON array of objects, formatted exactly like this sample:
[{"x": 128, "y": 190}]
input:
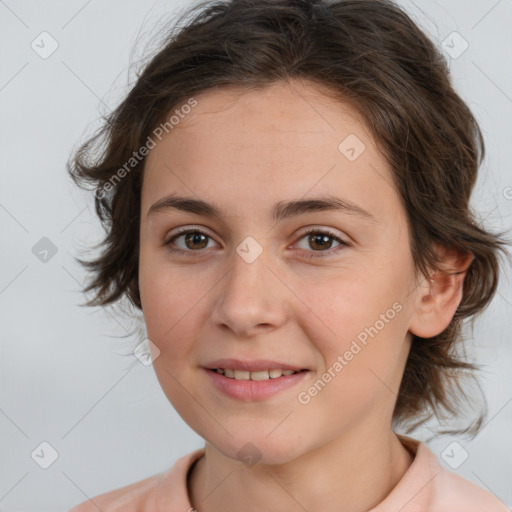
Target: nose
[{"x": 250, "y": 298}]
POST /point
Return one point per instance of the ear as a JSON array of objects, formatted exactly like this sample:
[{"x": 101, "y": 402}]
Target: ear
[{"x": 439, "y": 296}]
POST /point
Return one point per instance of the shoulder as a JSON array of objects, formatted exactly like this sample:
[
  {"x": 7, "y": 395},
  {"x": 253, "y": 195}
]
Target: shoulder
[
  {"x": 134, "y": 497},
  {"x": 153, "y": 494},
  {"x": 427, "y": 486},
  {"x": 461, "y": 494}
]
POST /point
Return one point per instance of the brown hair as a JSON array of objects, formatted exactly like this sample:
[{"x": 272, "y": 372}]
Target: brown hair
[{"x": 368, "y": 52}]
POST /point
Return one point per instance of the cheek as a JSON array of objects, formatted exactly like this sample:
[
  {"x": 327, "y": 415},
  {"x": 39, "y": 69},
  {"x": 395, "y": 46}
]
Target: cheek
[
  {"x": 170, "y": 313},
  {"x": 170, "y": 305},
  {"x": 340, "y": 308},
  {"x": 358, "y": 324}
]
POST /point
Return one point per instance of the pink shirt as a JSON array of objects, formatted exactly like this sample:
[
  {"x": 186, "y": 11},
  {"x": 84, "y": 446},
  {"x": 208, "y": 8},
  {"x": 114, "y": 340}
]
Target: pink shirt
[{"x": 425, "y": 487}]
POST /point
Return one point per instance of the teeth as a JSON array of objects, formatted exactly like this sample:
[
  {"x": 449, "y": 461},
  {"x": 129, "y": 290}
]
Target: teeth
[
  {"x": 262, "y": 375},
  {"x": 259, "y": 375}
]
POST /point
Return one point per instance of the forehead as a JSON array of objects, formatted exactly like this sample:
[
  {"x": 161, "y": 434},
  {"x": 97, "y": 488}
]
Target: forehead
[
  {"x": 287, "y": 117},
  {"x": 284, "y": 141}
]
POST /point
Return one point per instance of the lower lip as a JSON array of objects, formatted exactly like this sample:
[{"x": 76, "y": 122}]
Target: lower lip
[{"x": 254, "y": 390}]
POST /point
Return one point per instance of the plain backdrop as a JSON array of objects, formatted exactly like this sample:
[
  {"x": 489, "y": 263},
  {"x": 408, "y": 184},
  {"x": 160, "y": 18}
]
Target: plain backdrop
[{"x": 67, "y": 375}]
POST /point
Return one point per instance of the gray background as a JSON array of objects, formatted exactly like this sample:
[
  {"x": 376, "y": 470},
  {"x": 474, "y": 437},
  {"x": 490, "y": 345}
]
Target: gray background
[{"x": 67, "y": 374}]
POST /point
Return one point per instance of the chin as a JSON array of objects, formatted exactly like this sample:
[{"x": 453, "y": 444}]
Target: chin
[{"x": 258, "y": 449}]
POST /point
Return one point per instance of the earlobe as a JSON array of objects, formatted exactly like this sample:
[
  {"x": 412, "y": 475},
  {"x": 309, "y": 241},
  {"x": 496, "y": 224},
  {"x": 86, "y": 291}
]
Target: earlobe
[{"x": 439, "y": 296}]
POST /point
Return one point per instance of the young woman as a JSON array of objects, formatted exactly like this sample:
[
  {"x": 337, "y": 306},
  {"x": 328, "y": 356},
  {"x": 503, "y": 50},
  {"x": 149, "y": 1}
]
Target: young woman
[{"x": 286, "y": 195}]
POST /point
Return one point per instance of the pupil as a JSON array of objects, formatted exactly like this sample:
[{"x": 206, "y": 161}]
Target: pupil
[
  {"x": 316, "y": 239},
  {"x": 319, "y": 238},
  {"x": 195, "y": 238}
]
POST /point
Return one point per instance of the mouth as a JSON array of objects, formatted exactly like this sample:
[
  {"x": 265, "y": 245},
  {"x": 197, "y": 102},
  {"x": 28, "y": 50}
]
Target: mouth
[
  {"x": 253, "y": 365},
  {"x": 273, "y": 373},
  {"x": 250, "y": 381}
]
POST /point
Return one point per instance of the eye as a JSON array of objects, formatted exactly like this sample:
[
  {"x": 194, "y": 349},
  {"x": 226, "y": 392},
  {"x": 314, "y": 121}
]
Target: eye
[
  {"x": 321, "y": 241},
  {"x": 193, "y": 239}
]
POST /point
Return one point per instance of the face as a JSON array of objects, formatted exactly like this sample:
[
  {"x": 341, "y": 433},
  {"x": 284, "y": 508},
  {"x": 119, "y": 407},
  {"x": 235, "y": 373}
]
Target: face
[{"x": 251, "y": 286}]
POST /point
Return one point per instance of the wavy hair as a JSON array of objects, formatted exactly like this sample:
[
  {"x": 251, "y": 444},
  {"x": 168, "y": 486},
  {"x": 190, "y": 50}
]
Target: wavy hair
[{"x": 368, "y": 52}]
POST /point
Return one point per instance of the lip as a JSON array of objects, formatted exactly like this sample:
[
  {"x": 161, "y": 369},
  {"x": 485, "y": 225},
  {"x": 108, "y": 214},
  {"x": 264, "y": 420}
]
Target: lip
[
  {"x": 254, "y": 390},
  {"x": 251, "y": 366}
]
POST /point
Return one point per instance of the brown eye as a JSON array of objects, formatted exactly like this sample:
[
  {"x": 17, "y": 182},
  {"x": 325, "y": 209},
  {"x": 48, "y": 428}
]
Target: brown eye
[
  {"x": 193, "y": 241},
  {"x": 196, "y": 239},
  {"x": 320, "y": 241}
]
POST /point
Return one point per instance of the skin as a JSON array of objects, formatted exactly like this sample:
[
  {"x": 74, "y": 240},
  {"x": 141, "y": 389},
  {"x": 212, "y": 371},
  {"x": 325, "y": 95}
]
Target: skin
[{"x": 244, "y": 151}]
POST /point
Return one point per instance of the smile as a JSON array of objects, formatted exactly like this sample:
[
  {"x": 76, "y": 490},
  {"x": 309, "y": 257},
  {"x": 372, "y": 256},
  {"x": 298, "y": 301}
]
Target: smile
[
  {"x": 258, "y": 375},
  {"x": 260, "y": 385}
]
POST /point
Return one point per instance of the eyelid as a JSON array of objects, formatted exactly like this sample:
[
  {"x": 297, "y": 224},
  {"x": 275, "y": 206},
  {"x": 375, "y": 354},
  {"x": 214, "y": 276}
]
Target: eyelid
[
  {"x": 187, "y": 229},
  {"x": 332, "y": 252},
  {"x": 319, "y": 229},
  {"x": 309, "y": 230}
]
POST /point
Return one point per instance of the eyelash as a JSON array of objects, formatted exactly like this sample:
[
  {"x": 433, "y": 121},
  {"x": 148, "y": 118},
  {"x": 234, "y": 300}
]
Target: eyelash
[{"x": 313, "y": 254}]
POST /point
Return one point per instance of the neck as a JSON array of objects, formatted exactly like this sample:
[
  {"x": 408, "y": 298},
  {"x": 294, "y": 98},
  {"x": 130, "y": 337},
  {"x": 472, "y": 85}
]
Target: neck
[{"x": 354, "y": 473}]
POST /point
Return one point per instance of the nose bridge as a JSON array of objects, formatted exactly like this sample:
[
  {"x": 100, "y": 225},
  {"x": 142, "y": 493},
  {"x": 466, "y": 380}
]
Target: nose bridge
[
  {"x": 249, "y": 266},
  {"x": 248, "y": 295}
]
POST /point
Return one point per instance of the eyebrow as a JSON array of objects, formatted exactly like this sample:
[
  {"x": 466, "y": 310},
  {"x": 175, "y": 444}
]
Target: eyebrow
[{"x": 281, "y": 210}]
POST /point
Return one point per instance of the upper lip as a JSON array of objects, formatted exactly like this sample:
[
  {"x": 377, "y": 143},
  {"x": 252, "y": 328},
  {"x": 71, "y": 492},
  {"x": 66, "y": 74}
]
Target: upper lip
[{"x": 251, "y": 366}]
